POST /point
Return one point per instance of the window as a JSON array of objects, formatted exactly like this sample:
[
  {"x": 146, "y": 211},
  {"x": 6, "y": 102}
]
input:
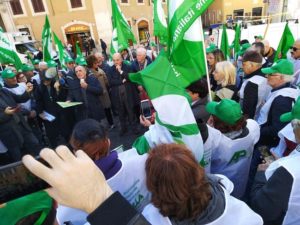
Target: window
[
  {"x": 124, "y": 1},
  {"x": 140, "y": 1},
  {"x": 76, "y": 4},
  {"x": 38, "y": 6},
  {"x": 16, "y": 7}
]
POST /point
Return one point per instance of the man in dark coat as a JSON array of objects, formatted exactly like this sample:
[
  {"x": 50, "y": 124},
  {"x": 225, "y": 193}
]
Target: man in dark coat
[
  {"x": 87, "y": 91},
  {"x": 140, "y": 63},
  {"x": 122, "y": 91},
  {"x": 15, "y": 133},
  {"x": 103, "y": 47},
  {"x": 48, "y": 93}
]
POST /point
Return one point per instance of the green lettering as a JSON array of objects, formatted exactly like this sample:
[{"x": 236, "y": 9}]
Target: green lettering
[{"x": 237, "y": 156}]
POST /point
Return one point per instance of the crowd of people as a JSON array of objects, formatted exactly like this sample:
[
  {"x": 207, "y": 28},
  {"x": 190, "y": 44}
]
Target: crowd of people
[
  {"x": 32, "y": 119},
  {"x": 247, "y": 110}
]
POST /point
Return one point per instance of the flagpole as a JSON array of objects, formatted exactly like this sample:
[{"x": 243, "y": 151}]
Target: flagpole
[
  {"x": 158, "y": 50},
  {"x": 206, "y": 69}
]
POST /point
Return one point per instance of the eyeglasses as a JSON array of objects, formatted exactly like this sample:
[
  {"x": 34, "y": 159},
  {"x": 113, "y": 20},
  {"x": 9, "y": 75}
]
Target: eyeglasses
[{"x": 294, "y": 49}]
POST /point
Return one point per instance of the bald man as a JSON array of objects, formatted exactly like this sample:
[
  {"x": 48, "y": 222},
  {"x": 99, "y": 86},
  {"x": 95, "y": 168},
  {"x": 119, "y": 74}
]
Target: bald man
[
  {"x": 123, "y": 92},
  {"x": 269, "y": 52}
]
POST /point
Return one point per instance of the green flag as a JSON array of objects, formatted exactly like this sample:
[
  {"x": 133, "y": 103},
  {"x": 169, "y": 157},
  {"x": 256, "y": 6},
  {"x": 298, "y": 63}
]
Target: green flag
[
  {"x": 224, "y": 43},
  {"x": 160, "y": 23},
  {"x": 47, "y": 41},
  {"x": 62, "y": 53},
  {"x": 287, "y": 40},
  {"x": 78, "y": 50},
  {"x": 121, "y": 30},
  {"x": 186, "y": 45},
  {"x": 167, "y": 77},
  {"x": 7, "y": 53},
  {"x": 237, "y": 38}
]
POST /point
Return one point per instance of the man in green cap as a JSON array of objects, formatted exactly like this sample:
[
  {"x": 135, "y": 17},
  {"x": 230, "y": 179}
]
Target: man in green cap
[
  {"x": 280, "y": 180},
  {"x": 28, "y": 71},
  {"x": 35, "y": 63},
  {"x": 80, "y": 61},
  {"x": 15, "y": 132},
  {"x": 278, "y": 102},
  {"x": 36, "y": 208}
]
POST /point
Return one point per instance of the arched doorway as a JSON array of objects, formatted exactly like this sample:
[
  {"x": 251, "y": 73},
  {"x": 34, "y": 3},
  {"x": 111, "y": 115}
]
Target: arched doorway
[
  {"x": 80, "y": 33},
  {"x": 143, "y": 30}
]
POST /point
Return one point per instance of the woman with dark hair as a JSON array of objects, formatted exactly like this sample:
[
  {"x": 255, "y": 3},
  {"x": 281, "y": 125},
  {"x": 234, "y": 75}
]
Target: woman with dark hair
[
  {"x": 124, "y": 172},
  {"x": 231, "y": 139},
  {"x": 212, "y": 59},
  {"x": 93, "y": 67},
  {"x": 183, "y": 194}
]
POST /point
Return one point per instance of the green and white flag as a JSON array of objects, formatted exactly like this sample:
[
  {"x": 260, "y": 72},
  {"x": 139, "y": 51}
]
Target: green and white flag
[
  {"x": 160, "y": 22},
  {"x": 186, "y": 45},
  {"x": 287, "y": 40},
  {"x": 62, "y": 53},
  {"x": 7, "y": 53},
  {"x": 167, "y": 77},
  {"x": 224, "y": 43},
  {"x": 78, "y": 50},
  {"x": 47, "y": 41},
  {"x": 121, "y": 30}
]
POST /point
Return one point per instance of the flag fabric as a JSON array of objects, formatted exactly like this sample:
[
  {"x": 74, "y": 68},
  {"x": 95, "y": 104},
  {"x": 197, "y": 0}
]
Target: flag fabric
[
  {"x": 160, "y": 22},
  {"x": 167, "y": 77},
  {"x": 7, "y": 53},
  {"x": 29, "y": 57},
  {"x": 186, "y": 44},
  {"x": 287, "y": 40},
  {"x": 47, "y": 41},
  {"x": 78, "y": 50},
  {"x": 224, "y": 43},
  {"x": 237, "y": 39},
  {"x": 122, "y": 32},
  {"x": 62, "y": 53}
]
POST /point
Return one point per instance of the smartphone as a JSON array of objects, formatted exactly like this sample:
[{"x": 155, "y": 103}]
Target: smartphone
[
  {"x": 17, "y": 181},
  {"x": 146, "y": 108}
]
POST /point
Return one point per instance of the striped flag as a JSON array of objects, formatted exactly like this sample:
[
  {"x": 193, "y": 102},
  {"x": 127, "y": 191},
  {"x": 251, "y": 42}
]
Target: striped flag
[
  {"x": 160, "y": 22},
  {"x": 62, "y": 53},
  {"x": 121, "y": 30},
  {"x": 47, "y": 41},
  {"x": 7, "y": 53},
  {"x": 167, "y": 77}
]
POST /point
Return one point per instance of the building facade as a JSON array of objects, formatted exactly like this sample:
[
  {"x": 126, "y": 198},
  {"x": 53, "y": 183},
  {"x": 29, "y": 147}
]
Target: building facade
[
  {"x": 76, "y": 20},
  {"x": 223, "y": 10}
]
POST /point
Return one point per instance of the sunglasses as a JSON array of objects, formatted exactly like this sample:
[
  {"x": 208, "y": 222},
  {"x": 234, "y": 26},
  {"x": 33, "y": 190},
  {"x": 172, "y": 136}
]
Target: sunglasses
[{"x": 294, "y": 49}]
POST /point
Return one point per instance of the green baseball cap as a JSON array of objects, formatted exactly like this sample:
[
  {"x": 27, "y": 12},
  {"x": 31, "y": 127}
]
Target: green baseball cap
[
  {"x": 7, "y": 73},
  {"x": 243, "y": 49},
  {"x": 69, "y": 59},
  {"x": 227, "y": 110},
  {"x": 259, "y": 37},
  {"x": 51, "y": 64},
  {"x": 80, "y": 61},
  {"x": 26, "y": 68},
  {"x": 35, "y": 61},
  {"x": 282, "y": 66},
  {"x": 294, "y": 114},
  {"x": 211, "y": 48},
  {"x": 20, "y": 208}
]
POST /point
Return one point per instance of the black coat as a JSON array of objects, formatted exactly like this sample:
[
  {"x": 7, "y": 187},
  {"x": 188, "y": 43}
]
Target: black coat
[
  {"x": 10, "y": 133},
  {"x": 115, "y": 80},
  {"x": 89, "y": 96},
  {"x": 135, "y": 67},
  {"x": 46, "y": 101}
]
